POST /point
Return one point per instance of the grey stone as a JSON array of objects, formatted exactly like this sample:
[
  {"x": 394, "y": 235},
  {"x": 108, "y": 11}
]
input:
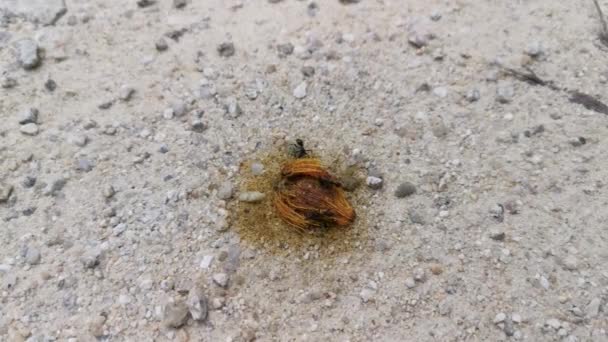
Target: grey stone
[
  {"x": 91, "y": 258},
  {"x": 126, "y": 93},
  {"x": 198, "y": 125},
  {"x": 257, "y": 169},
  {"x": 570, "y": 263},
  {"x": 505, "y": 92},
  {"x": 84, "y": 165},
  {"x": 498, "y": 235},
  {"x": 7, "y": 82},
  {"x": 5, "y": 192},
  {"x": 473, "y": 95},
  {"x": 28, "y": 182},
  {"x": 225, "y": 191},
  {"x": 593, "y": 308},
  {"x": 416, "y": 217},
  {"x": 374, "y": 182},
  {"x": 29, "y": 129},
  {"x": 405, "y": 189},
  {"x": 29, "y": 115},
  {"x": 410, "y": 283},
  {"x": 28, "y": 53},
  {"x": 299, "y": 91},
  {"x": 308, "y": 71},
  {"x": 499, "y": 318},
  {"x": 109, "y": 191},
  {"x": 220, "y": 279},
  {"x": 366, "y": 295},
  {"x": 45, "y": 12},
  {"x": 55, "y": 185},
  {"x": 78, "y": 140},
  {"x": 285, "y": 49},
  {"x": 251, "y": 196},
  {"x": 226, "y": 49},
  {"x": 50, "y": 85},
  {"x": 32, "y": 256},
  {"x": 145, "y": 3},
  {"x": 180, "y": 3},
  {"x": 535, "y": 49},
  {"x": 197, "y": 305},
  {"x": 161, "y": 44},
  {"x": 232, "y": 108},
  {"x": 418, "y": 40},
  {"x": 176, "y": 315},
  {"x": 419, "y": 275}
]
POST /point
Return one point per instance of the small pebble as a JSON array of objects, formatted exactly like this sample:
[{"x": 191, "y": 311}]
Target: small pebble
[
  {"x": 5, "y": 192},
  {"x": 251, "y": 196},
  {"x": 176, "y": 315},
  {"x": 84, "y": 165},
  {"x": 28, "y": 54},
  {"x": 366, "y": 295},
  {"x": 126, "y": 93},
  {"x": 500, "y": 317},
  {"x": 308, "y": 71},
  {"x": 473, "y": 95},
  {"x": 55, "y": 185},
  {"x": 505, "y": 92},
  {"x": 226, "y": 49},
  {"x": 7, "y": 82},
  {"x": 161, "y": 44},
  {"x": 78, "y": 140},
  {"x": 418, "y": 40},
  {"x": 405, "y": 189},
  {"x": 197, "y": 305},
  {"x": 220, "y": 279},
  {"x": 299, "y": 91},
  {"x": 410, "y": 283},
  {"x": 180, "y": 3},
  {"x": 232, "y": 108},
  {"x": 419, "y": 275},
  {"x": 570, "y": 263},
  {"x": 50, "y": 85},
  {"x": 108, "y": 191},
  {"x": 374, "y": 182},
  {"x": 285, "y": 49},
  {"x": 145, "y": 3},
  {"x": 29, "y": 129},
  {"x": 535, "y": 50},
  {"x": 257, "y": 169},
  {"x": 29, "y": 115},
  {"x": 32, "y": 256},
  {"x": 225, "y": 191},
  {"x": 593, "y": 308}
]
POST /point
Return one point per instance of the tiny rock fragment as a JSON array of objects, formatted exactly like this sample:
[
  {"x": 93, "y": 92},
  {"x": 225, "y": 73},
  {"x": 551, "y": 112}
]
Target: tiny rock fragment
[
  {"x": 251, "y": 196},
  {"x": 300, "y": 91},
  {"x": 221, "y": 279},
  {"x": 29, "y": 129},
  {"x": 176, "y": 315},
  {"x": 28, "y": 53},
  {"x": 29, "y": 115},
  {"x": 5, "y": 192},
  {"x": 374, "y": 182},
  {"x": 197, "y": 305},
  {"x": 405, "y": 189},
  {"x": 226, "y": 49}
]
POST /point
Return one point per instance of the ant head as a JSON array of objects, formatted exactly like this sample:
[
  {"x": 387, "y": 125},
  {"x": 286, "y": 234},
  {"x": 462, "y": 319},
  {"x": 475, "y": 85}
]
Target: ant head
[{"x": 300, "y": 142}]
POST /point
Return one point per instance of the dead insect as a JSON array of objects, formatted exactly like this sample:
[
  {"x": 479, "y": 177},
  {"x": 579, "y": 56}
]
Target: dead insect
[
  {"x": 309, "y": 197},
  {"x": 297, "y": 150}
]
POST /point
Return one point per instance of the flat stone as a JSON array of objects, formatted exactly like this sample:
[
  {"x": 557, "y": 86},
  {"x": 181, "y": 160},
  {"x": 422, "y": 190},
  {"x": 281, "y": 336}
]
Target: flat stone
[
  {"x": 29, "y": 129},
  {"x": 32, "y": 256},
  {"x": 226, "y": 49},
  {"x": 45, "y": 12}
]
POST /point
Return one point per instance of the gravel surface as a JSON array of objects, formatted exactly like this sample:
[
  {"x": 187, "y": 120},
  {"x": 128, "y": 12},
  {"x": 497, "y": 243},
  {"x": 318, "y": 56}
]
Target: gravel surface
[{"x": 140, "y": 139}]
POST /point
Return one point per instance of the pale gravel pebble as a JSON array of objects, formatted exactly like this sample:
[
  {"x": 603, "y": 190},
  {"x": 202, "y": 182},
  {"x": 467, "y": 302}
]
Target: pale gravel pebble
[
  {"x": 27, "y": 116},
  {"x": 225, "y": 191},
  {"x": 175, "y": 315},
  {"x": 221, "y": 279},
  {"x": 299, "y": 92},
  {"x": 374, "y": 182},
  {"x": 30, "y": 129},
  {"x": 28, "y": 53},
  {"x": 251, "y": 196}
]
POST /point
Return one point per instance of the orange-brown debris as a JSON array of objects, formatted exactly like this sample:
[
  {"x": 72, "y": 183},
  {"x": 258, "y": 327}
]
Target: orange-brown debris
[{"x": 310, "y": 197}]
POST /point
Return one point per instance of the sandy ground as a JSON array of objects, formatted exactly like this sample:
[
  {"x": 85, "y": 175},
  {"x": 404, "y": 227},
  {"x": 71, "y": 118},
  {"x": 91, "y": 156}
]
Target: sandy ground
[{"x": 130, "y": 129}]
